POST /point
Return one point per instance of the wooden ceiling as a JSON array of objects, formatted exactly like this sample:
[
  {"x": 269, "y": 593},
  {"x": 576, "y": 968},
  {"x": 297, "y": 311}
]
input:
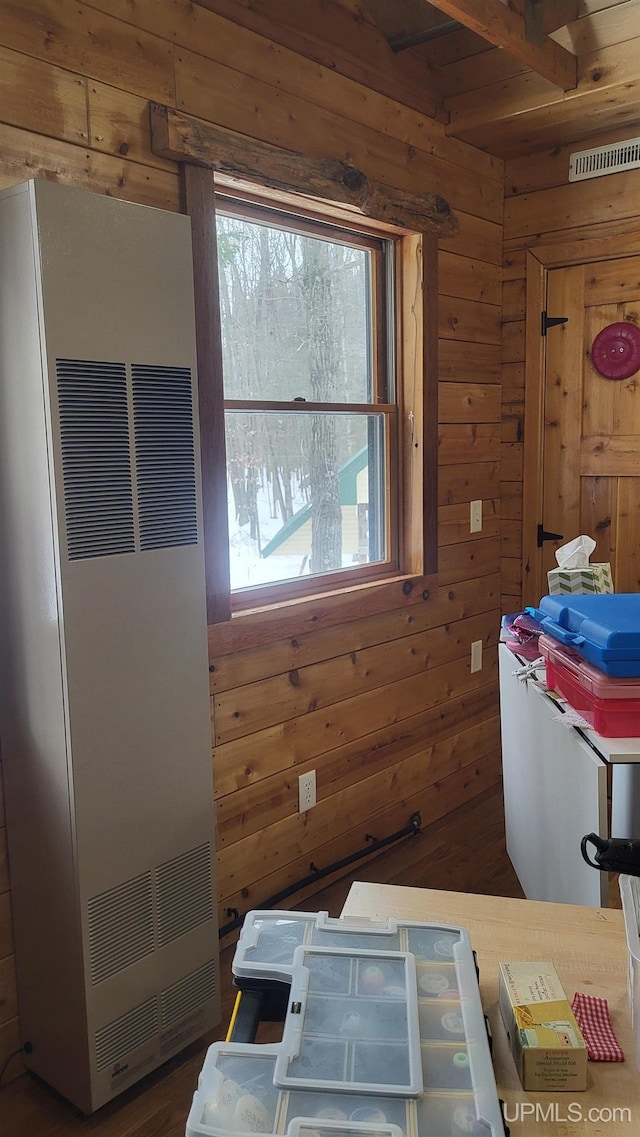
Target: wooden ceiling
[{"x": 517, "y": 76}]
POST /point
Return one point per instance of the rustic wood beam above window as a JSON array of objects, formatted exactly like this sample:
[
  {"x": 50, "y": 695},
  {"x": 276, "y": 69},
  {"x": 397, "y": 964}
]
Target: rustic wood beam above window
[
  {"x": 184, "y": 139},
  {"x": 503, "y": 27}
]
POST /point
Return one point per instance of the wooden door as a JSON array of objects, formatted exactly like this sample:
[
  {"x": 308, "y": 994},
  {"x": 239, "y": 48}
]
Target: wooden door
[{"x": 591, "y": 437}]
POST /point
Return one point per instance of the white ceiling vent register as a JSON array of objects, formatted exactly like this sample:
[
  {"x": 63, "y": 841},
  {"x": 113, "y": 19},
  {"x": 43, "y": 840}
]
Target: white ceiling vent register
[{"x": 603, "y": 160}]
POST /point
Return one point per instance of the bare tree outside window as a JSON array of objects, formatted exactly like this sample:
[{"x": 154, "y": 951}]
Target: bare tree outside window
[{"x": 308, "y": 416}]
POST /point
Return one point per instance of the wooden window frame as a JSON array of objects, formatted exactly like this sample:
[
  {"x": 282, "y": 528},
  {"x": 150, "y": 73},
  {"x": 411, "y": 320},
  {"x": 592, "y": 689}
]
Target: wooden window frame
[
  {"x": 383, "y": 369},
  {"x": 416, "y": 394}
]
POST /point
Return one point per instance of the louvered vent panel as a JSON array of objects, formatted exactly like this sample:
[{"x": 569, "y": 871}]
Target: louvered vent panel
[
  {"x": 120, "y": 927},
  {"x": 187, "y": 994},
  {"x": 125, "y": 1034},
  {"x": 184, "y": 893},
  {"x": 96, "y": 461},
  {"x": 602, "y": 160},
  {"x": 165, "y": 457}
]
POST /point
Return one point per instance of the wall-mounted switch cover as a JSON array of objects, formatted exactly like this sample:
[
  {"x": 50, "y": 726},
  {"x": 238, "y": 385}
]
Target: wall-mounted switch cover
[
  {"x": 475, "y": 516},
  {"x": 476, "y": 655}
]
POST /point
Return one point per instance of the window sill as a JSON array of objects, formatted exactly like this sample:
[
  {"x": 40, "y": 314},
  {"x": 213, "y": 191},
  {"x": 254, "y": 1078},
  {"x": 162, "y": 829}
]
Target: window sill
[{"x": 280, "y": 620}]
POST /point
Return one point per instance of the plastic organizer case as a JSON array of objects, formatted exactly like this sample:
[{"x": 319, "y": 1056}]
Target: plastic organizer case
[
  {"x": 384, "y": 1035},
  {"x": 630, "y": 893},
  {"x": 610, "y": 705}
]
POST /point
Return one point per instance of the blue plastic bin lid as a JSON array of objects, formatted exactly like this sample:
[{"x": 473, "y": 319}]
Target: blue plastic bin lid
[{"x": 609, "y": 621}]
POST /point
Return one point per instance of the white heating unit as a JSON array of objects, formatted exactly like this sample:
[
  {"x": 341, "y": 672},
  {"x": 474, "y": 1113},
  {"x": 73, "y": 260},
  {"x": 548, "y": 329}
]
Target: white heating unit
[{"x": 104, "y": 695}]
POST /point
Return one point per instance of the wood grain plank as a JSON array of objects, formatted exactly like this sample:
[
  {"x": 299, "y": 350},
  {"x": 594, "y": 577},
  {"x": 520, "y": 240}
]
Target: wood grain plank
[
  {"x": 581, "y": 244},
  {"x": 120, "y": 125},
  {"x": 37, "y": 96},
  {"x": 303, "y": 690},
  {"x": 476, "y": 238},
  {"x": 599, "y": 518},
  {"x": 626, "y": 562},
  {"x": 26, "y": 155},
  {"x": 259, "y": 806},
  {"x": 505, "y": 28},
  {"x": 513, "y": 342},
  {"x": 323, "y": 33},
  {"x": 477, "y": 440},
  {"x": 609, "y": 457},
  {"x": 237, "y": 767},
  {"x": 478, "y": 403},
  {"x": 512, "y": 457},
  {"x": 613, "y": 282},
  {"x": 550, "y": 168},
  {"x": 563, "y": 406},
  {"x": 274, "y": 165},
  {"x": 443, "y": 605},
  {"x": 453, "y": 523},
  {"x": 435, "y": 802},
  {"x": 469, "y": 558},
  {"x": 468, "y": 320},
  {"x": 469, "y": 481},
  {"x": 513, "y": 300},
  {"x": 599, "y": 394},
  {"x": 560, "y": 208},
  {"x": 92, "y": 43},
  {"x": 254, "y": 108},
  {"x": 511, "y": 501},
  {"x": 457, "y": 364},
  {"x": 291, "y": 838},
  {"x": 226, "y": 36},
  {"x": 511, "y": 539},
  {"x": 468, "y": 278},
  {"x": 607, "y": 76}
]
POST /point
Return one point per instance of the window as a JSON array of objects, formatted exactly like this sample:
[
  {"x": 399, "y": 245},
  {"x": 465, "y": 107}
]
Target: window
[{"x": 311, "y": 417}]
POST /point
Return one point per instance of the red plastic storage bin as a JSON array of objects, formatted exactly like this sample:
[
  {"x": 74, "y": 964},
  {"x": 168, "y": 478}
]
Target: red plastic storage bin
[{"x": 611, "y": 706}]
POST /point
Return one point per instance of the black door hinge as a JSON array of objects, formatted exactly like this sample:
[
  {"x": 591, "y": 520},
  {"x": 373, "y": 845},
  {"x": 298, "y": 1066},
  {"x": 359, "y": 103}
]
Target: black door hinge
[
  {"x": 551, "y": 322},
  {"x": 544, "y": 536}
]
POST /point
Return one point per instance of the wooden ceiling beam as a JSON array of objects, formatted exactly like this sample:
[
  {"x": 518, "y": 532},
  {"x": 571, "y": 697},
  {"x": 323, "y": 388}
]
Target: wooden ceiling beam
[
  {"x": 504, "y": 28},
  {"x": 525, "y": 112},
  {"x": 185, "y": 139}
]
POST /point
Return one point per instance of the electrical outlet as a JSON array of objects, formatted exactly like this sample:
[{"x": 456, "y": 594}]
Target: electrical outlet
[
  {"x": 306, "y": 791},
  {"x": 476, "y": 655},
  {"x": 475, "y": 516}
]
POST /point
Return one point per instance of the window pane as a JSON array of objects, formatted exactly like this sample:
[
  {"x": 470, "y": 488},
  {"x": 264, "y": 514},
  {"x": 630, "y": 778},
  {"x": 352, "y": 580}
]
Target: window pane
[
  {"x": 306, "y": 494},
  {"x": 296, "y": 315}
]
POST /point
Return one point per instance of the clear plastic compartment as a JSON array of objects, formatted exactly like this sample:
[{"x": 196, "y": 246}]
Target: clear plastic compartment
[
  {"x": 449, "y": 1115},
  {"x": 355, "y": 1018},
  {"x": 437, "y": 981},
  {"x": 237, "y": 1093},
  {"x": 433, "y": 943},
  {"x": 277, "y": 940},
  {"x": 441, "y": 1020},
  {"x": 347, "y": 1107},
  {"x": 446, "y": 1067}
]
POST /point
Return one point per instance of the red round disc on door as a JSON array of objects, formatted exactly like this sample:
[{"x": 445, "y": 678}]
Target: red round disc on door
[{"x": 615, "y": 353}]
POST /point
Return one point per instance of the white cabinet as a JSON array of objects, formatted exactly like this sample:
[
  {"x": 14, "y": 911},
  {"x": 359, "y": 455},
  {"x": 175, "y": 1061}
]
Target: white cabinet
[{"x": 555, "y": 791}]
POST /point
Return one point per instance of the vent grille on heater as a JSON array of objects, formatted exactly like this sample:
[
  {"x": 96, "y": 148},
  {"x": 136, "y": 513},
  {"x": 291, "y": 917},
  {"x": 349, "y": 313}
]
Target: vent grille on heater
[
  {"x": 165, "y": 458},
  {"x": 604, "y": 160},
  {"x": 188, "y": 994},
  {"x": 120, "y": 927},
  {"x": 120, "y": 1037},
  {"x": 184, "y": 893},
  {"x": 96, "y": 464}
]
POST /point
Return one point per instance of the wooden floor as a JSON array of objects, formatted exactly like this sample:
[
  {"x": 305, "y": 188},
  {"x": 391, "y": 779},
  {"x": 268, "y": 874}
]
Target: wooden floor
[{"x": 443, "y": 856}]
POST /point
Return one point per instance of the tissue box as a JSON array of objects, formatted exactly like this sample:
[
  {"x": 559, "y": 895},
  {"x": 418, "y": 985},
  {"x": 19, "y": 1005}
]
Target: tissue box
[
  {"x": 546, "y": 1042},
  {"x": 592, "y": 578}
]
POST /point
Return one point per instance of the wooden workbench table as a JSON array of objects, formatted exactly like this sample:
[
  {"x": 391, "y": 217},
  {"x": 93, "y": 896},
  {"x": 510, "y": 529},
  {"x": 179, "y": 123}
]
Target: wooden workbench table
[{"x": 588, "y": 948}]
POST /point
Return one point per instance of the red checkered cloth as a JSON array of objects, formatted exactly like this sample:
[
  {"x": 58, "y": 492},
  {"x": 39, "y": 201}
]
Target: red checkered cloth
[{"x": 592, "y": 1016}]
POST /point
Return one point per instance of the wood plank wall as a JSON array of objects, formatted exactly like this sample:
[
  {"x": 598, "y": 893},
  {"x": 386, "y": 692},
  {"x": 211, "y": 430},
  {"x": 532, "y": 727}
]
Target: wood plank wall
[
  {"x": 378, "y": 698},
  {"x": 543, "y": 209}
]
